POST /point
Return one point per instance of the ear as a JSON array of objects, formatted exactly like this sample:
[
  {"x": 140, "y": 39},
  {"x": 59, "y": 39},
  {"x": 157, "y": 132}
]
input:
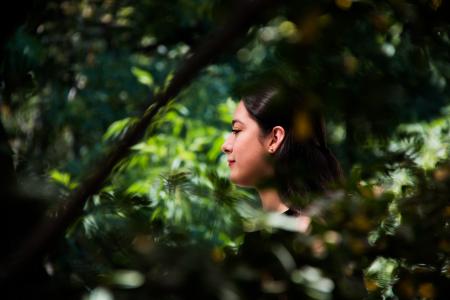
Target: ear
[{"x": 275, "y": 139}]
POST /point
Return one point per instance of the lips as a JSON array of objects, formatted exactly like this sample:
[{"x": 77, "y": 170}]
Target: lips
[{"x": 231, "y": 162}]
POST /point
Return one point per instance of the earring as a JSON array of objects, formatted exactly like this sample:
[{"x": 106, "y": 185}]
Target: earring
[{"x": 271, "y": 150}]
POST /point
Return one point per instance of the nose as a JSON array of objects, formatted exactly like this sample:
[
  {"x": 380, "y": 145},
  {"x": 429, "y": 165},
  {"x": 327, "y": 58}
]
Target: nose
[{"x": 227, "y": 146}]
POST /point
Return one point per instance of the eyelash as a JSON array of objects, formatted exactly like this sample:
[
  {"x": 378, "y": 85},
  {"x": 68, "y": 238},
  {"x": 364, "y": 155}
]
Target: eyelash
[{"x": 235, "y": 131}]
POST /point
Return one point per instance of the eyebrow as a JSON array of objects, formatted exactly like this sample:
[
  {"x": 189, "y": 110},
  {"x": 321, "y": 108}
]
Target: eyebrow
[{"x": 236, "y": 121}]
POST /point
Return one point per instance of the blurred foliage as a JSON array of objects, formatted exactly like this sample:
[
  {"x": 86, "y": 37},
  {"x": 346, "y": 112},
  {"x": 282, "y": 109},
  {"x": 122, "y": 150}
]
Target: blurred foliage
[{"x": 75, "y": 75}]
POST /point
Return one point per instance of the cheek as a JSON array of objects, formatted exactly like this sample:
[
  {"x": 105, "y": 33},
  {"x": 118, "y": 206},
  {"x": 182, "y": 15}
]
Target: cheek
[{"x": 251, "y": 166}]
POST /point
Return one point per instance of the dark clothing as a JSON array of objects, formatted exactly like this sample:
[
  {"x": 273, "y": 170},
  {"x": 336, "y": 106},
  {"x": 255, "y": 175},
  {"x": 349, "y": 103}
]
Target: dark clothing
[
  {"x": 292, "y": 212},
  {"x": 263, "y": 255}
]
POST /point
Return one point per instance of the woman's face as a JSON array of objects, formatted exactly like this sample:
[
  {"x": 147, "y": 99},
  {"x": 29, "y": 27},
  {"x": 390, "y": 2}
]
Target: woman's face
[{"x": 247, "y": 153}]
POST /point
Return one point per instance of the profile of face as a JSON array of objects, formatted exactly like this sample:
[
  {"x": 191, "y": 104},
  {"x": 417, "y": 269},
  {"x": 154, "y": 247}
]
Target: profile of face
[{"x": 248, "y": 151}]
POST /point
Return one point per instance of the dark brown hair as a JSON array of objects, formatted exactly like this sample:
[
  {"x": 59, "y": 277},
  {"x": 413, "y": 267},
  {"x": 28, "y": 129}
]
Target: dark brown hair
[{"x": 303, "y": 164}]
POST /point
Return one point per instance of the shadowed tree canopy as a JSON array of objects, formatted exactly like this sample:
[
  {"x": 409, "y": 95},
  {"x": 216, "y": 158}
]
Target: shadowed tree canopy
[{"x": 112, "y": 114}]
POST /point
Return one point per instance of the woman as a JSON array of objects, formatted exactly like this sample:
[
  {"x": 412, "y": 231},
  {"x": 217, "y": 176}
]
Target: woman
[{"x": 278, "y": 146}]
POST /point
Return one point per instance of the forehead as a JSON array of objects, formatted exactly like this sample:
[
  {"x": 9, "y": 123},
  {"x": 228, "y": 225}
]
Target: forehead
[
  {"x": 243, "y": 117},
  {"x": 241, "y": 112}
]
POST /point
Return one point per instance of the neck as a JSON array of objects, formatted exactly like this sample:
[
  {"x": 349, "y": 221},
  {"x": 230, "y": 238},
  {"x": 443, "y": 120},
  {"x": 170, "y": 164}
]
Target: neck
[{"x": 271, "y": 200}]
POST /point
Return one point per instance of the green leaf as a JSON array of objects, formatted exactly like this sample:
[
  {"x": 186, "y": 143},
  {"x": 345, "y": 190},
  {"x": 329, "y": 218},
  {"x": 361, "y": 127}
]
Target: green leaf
[
  {"x": 117, "y": 128},
  {"x": 143, "y": 76},
  {"x": 60, "y": 177}
]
